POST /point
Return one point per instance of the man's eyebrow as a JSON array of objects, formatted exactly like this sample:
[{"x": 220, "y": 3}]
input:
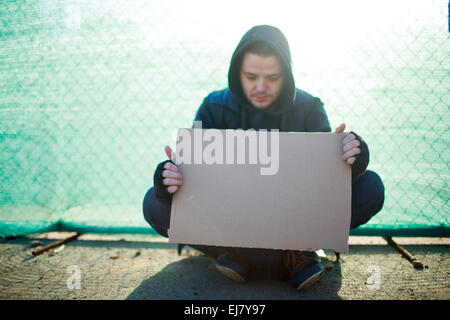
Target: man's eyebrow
[{"x": 270, "y": 75}]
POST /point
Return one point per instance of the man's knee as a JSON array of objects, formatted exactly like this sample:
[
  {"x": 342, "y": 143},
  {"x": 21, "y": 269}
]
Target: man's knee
[
  {"x": 376, "y": 187},
  {"x": 367, "y": 198},
  {"x": 157, "y": 214}
]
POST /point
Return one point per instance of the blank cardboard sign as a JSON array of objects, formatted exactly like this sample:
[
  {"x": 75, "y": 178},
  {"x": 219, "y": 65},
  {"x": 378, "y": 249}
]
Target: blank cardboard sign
[{"x": 295, "y": 195}]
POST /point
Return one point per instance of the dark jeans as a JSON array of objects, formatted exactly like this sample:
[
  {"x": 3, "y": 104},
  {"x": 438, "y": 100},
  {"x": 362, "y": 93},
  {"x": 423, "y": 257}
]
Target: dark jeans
[{"x": 367, "y": 200}]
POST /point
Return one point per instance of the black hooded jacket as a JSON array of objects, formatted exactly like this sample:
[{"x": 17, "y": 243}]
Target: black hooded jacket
[{"x": 294, "y": 111}]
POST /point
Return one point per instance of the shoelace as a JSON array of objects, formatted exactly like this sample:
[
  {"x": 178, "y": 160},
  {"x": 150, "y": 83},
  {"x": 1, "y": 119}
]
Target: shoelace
[{"x": 294, "y": 259}]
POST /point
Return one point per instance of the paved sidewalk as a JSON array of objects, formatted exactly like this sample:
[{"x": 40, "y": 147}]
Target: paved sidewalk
[{"x": 148, "y": 267}]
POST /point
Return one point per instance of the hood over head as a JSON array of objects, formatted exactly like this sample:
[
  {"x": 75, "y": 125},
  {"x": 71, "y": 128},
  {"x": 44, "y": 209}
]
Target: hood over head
[{"x": 278, "y": 42}]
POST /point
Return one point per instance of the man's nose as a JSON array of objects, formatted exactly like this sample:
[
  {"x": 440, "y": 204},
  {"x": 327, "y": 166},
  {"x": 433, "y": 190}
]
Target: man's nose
[{"x": 260, "y": 85}]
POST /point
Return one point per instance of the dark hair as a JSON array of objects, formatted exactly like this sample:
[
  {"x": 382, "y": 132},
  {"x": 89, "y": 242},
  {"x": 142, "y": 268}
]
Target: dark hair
[{"x": 261, "y": 48}]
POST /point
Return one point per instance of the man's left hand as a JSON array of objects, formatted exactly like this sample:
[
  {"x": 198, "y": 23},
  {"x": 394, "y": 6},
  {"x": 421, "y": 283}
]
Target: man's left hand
[{"x": 350, "y": 145}]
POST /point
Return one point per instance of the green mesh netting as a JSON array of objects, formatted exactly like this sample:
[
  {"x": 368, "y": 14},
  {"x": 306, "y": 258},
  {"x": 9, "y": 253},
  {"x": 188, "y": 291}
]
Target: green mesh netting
[{"x": 91, "y": 91}]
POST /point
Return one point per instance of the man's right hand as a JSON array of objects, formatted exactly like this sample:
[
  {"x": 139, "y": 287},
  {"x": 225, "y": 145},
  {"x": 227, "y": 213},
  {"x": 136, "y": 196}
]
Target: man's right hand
[{"x": 172, "y": 176}]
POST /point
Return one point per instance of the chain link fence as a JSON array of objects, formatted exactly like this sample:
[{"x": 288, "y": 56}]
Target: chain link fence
[{"x": 90, "y": 92}]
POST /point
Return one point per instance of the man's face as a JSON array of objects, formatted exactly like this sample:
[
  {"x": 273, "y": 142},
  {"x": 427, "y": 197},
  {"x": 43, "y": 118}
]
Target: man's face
[{"x": 261, "y": 79}]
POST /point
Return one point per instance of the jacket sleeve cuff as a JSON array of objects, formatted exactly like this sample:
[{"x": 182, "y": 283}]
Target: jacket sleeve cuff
[
  {"x": 161, "y": 192},
  {"x": 362, "y": 159}
]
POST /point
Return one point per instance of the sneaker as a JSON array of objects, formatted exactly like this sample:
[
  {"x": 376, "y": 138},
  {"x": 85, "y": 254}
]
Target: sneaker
[
  {"x": 304, "y": 268},
  {"x": 233, "y": 267}
]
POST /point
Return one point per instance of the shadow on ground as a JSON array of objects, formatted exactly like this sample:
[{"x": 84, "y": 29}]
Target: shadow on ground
[{"x": 196, "y": 277}]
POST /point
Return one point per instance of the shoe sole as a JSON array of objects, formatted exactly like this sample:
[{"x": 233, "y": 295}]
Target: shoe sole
[
  {"x": 231, "y": 274},
  {"x": 310, "y": 281}
]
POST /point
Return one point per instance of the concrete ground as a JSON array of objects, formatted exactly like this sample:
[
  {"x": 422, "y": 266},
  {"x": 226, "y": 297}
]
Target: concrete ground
[{"x": 100, "y": 267}]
